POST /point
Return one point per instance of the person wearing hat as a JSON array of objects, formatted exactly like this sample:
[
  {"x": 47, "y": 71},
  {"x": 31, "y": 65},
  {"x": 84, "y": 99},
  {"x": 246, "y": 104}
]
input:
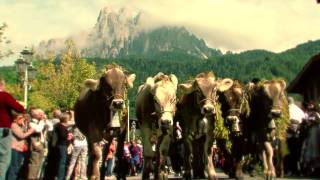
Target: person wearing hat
[{"x": 7, "y": 104}]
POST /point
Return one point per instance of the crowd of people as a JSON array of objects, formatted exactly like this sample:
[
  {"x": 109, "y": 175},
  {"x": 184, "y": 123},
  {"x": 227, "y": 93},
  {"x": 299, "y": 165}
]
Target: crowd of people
[
  {"x": 303, "y": 139},
  {"x": 35, "y": 146}
]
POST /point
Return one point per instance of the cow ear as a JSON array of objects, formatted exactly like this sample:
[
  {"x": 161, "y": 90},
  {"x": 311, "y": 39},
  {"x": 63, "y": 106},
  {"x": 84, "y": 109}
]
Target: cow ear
[
  {"x": 225, "y": 84},
  {"x": 283, "y": 84},
  {"x": 186, "y": 88},
  {"x": 150, "y": 82},
  {"x": 174, "y": 79},
  {"x": 130, "y": 80},
  {"x": 91, "y": 84}
]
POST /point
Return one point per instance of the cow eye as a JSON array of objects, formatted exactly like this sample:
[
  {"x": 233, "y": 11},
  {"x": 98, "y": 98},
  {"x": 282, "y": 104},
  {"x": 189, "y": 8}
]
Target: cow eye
[
  {"x": 199, "y": 92},
  {"x": 173, "y": 100},
  {"x": 155, "y": 101}
]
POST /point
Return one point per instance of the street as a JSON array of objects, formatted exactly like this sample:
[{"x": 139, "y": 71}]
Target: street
[{"x": 223, "y": 176}]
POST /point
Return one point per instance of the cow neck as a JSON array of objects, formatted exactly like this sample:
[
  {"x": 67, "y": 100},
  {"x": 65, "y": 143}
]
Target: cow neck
[
  {"x": 224, "y": 104},
  {"x": 192, "y": 102},
  {"x": 152, "y": 110},
  {"x": 260, "y": 115}
]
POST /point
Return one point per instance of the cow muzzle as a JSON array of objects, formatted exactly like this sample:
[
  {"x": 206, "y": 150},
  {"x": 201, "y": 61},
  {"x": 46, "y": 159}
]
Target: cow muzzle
[
  {"x": 165, "y": 123},
  {"x": 275, "y": 112},
  {"x": 208, "y": 110},
  {"x": 117, "y": 104}
]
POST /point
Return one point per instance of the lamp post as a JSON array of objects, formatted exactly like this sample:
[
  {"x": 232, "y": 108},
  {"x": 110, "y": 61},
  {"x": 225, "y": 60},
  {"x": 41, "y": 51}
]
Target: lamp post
[
  {"x": 133, "y": 129},
  {"x": 25, "y": 71}
]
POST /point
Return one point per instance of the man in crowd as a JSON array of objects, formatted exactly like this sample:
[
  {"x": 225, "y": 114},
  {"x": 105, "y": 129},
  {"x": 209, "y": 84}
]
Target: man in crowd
[
  {"x": 7, "y": 103},
  {"x": 38, "y": 142},
  {"x": 296, "y": 116}
]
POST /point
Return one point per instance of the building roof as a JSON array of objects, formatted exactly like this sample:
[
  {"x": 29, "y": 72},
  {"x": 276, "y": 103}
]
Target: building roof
[{"x": 305, "y": 76}]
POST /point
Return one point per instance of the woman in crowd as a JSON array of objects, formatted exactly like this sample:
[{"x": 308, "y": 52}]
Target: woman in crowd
[
  {"x": 110, "y": 157},
  {"x": 79, "y": 152},
  {"x": 63, "y": 140},
  {"x": 177, "y": 150},
  {"x": 19, "y": 145},
  {"x": 310, "y": 153},
  {"x": 135, "y": 152}
]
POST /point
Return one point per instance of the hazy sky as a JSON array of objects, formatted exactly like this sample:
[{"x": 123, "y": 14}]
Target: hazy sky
[{"x": 235, "y": 25}]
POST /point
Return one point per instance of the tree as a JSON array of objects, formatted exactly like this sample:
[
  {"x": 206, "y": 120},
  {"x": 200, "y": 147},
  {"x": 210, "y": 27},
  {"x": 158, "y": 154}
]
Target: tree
[
  {"x": 60, "y": 85},
  {"x": 4, "y": 40}
]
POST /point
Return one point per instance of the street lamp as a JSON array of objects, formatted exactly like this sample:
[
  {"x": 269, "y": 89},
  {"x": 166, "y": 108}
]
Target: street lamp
[
  {"x": 26, "y": 71},
  {"x": 133, "y": 128}
]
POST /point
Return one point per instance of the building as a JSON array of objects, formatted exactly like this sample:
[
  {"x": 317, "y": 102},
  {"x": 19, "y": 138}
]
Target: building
[{"x": 307, "y": 82}]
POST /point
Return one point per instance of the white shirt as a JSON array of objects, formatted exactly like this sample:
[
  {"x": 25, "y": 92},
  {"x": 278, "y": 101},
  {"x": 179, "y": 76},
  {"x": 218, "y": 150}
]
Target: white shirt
[
  {"x": 38, "y": 126},
  {"x": 296, "y": 113},
  {"x": 78, "y": 143}
]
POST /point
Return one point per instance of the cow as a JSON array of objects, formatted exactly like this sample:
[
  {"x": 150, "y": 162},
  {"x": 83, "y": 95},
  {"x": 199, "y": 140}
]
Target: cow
[
  {"x": 235, "y": 109},
  {"x": 267, "y": 101},
  {"x": 96, "y": 108},
  {"x": 196, "y": 112},
  {"x": 155, "y": 109}
]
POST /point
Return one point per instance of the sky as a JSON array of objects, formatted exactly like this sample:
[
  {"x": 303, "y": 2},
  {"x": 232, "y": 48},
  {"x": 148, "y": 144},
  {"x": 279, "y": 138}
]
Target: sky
[{"x": 235, "y": 25}]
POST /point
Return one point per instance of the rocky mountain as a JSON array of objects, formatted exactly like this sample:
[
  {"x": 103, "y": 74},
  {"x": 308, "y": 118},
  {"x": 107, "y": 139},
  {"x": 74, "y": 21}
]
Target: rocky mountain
[{"x": 120, "y": 34}]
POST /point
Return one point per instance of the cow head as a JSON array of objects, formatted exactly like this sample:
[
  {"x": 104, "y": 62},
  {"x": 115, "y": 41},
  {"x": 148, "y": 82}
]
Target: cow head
[
  {"x": 113, "y": 85},
  {"x": 272, "y": 92},
  {"x": 163, "y": 88},
  {"x": 236, "y": 104},
  {"x": 205, "y": 87}
]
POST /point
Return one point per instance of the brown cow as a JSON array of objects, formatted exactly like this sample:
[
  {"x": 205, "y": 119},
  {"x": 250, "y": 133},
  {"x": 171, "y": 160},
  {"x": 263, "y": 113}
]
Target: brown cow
[
  {"x": 196, "y": 114},
  {"x": 155, "y": 109},
  {"x": 267, "y": 101},
  {"x": 97, "y": 105},
  {"x": 235, "y": 109}
]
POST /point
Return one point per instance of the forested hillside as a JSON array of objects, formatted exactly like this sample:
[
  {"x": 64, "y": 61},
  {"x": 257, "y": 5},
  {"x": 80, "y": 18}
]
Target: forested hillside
[{"x": 244, "y": 66}]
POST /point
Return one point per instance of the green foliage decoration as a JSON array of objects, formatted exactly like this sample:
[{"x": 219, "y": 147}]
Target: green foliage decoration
[{"x": 283, "y": 121}]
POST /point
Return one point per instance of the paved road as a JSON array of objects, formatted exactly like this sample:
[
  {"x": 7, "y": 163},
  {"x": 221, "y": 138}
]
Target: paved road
[{"x": 223, "y": 176}]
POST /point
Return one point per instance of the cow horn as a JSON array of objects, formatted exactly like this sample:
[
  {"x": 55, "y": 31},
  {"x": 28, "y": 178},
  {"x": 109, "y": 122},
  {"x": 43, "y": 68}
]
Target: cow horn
[
  {"x": 158, "y": 76},
  {"x": 140, "y": 88},
  {"x": 225, "y": 84}
]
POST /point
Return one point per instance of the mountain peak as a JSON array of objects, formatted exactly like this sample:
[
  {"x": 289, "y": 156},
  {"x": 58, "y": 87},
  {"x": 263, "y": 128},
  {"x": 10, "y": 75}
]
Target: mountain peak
[{"x": 120, "y": 34}]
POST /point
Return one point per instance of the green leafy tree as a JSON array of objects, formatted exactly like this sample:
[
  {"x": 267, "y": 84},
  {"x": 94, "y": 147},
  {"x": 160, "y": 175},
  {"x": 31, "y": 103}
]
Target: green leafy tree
[{"x": 59, "y": 85}]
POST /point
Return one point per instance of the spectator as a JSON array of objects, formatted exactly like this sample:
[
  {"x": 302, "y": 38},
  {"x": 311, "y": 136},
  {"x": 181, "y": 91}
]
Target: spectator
[
  {"x": 63, "y": 141},
  {"x": 38, "y": 143},
  {"x": 56, "y": 113},
  {"x": 7, "y": 103},
  {"x": 127, "y": 156},
  {"x": 51, "y": 168},
  {"x": 310, "y": 149},
  {"x": 296, "y": 116},
  {"x": 135, "y": 152},
  {"x": 19, "y": 145},
  {"x": 139, "y": 144},
  {"x": 79, "y": 152},
  {"x": 110, "y": 157},
  {"x": 177, "y": 150}
]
